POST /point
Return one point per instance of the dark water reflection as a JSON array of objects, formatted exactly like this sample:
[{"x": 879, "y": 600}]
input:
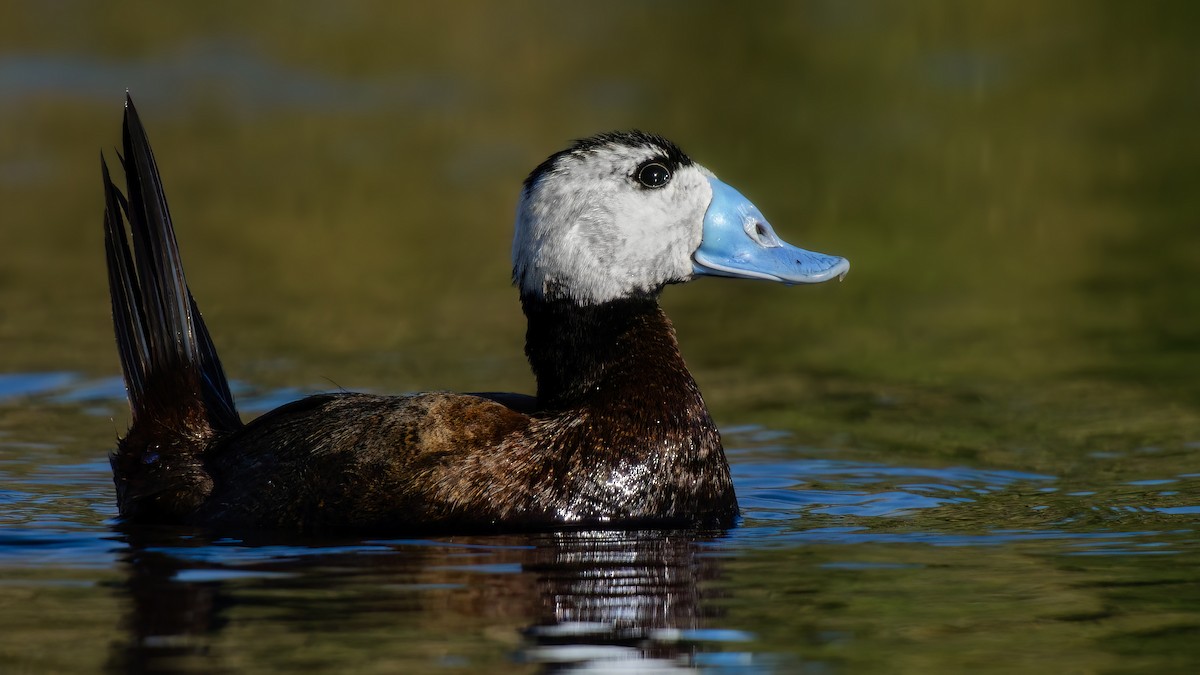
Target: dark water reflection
[
  {"x": 551, "y": 600},
  {"x": 977, "y": 454}
]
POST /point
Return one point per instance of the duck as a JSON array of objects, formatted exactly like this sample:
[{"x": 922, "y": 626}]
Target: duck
[{"x": 617, "y": 434}]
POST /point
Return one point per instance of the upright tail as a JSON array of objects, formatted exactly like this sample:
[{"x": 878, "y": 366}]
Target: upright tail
[{"x": 178, "y": 394}]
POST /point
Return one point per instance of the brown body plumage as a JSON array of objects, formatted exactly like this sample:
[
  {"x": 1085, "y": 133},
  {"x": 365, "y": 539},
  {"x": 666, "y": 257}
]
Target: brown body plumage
[
  {"x": 618, "y": 434},
  {"x": 634, "y": 445}
]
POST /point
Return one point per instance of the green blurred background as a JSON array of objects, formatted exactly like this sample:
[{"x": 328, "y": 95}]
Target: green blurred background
[{"x": 1015, "y": 184}]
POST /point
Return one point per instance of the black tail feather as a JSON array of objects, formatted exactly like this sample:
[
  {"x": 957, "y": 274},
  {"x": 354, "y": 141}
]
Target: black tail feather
[
  {"x": 126, "y": 297},
  {"x": 165, "y": 348}
]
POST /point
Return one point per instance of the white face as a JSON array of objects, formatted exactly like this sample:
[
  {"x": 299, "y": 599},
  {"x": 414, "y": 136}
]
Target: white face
[{"x": 589, "y": 230}]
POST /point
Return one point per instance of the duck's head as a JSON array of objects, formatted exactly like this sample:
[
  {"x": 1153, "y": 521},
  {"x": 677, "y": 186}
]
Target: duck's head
[{"x": 623, "y": 214}]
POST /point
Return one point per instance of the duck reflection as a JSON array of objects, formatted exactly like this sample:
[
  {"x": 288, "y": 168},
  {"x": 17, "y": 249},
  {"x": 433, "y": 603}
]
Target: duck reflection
[
  {"x": 547, "y": 601},
  {"x": 618, "y": 595}
]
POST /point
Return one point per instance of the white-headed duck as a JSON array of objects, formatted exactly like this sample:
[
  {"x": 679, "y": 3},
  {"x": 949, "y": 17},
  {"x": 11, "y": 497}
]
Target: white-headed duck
[{"x": 617, "y": 435}]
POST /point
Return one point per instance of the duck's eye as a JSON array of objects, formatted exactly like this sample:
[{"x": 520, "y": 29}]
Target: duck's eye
[{"x": 653, "y": 175}]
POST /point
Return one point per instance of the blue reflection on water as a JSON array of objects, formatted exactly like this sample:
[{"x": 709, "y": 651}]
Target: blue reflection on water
[
  {"x": 612, "y": 597},
  {"x": 60, "y": 513}
]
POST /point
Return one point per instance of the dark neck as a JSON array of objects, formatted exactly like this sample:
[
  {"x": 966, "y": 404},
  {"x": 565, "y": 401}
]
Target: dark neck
[
  {"x": 583, "y": 354},
  {"x": 642, "y": 425}
]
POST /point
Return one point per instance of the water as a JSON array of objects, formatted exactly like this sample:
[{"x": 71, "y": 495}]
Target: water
[{"x": 979, "y": 452}]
